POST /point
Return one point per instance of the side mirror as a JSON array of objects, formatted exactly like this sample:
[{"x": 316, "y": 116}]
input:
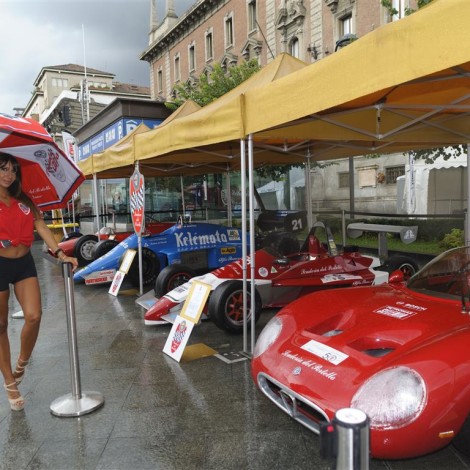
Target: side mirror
[{"x": 396, "y": 277}]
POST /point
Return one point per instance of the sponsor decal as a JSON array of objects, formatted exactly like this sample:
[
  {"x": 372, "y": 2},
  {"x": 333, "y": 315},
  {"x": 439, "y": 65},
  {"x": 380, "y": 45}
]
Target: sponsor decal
[
  {"x": 273, "y": 270},
  {"x": 325, "y": 352},
  {"x": 418, "y": 308},
  {"x": 233, "y": 235},
  {"x": 178, "y": 336},
  {"x": 310, "y": 364},
  {"x": 188, "y": 239},
  {"x": 323, "y": 269},
  {"x": 263, "y": 272},
  {"x": 297, "y": 370},
  {"x": 99, "y": 277},
  {"x": 228, "y": 250},
  {"x": 24, "y": 208},
  {"x": 339, "y": 277},
  {"x": 393, "y": 311}
]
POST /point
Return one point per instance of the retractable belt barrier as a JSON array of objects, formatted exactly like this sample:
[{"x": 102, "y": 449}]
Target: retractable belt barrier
[{"x": 76, "y": 403}]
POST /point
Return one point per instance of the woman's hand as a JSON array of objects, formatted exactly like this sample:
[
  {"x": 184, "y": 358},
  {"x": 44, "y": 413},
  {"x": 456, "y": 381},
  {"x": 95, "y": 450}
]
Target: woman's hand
[{"x": 71, "y": 260}]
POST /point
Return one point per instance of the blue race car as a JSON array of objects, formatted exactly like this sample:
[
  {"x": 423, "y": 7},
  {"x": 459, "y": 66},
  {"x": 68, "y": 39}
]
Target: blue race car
[{"x": 198, "y": 247}]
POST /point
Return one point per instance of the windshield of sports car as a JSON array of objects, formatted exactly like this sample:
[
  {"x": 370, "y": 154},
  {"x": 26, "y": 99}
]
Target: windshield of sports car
[{"x": 447, "y": 275}]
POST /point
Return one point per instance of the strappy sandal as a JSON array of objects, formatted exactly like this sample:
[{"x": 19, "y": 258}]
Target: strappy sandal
[
  {"x": 16, "y": 404},
  {"x": 19, "y": 370}
]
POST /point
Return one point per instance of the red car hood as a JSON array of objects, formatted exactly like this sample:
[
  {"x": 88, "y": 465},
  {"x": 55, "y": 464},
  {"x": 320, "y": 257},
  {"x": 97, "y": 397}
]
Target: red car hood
[{"x": 351, "y": 336}]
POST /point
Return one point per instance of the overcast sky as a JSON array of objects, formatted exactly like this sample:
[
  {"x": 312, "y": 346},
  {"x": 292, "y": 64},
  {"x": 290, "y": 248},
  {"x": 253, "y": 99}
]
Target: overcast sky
[{"x": 38, "y": 33}]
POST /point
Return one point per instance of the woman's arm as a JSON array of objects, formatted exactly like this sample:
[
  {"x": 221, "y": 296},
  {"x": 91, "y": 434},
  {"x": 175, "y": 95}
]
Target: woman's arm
[{"x": 48, "y": 237}]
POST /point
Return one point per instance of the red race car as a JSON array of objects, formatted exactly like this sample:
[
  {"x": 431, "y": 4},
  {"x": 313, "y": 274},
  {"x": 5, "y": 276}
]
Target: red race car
[
  {"x": 87, "y": 248},
  {"x": 398, "y": 352},
  {"x": 279, "y": 279}
]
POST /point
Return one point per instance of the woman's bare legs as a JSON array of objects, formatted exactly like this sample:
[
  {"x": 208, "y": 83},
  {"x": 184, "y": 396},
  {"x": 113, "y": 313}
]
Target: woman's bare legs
[
  {"x": 5, "y": 355},
  {"x": 29, "y": 297}
]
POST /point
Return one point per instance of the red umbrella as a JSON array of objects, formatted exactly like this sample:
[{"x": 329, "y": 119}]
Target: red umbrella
[{"x": 49, "y": 177}]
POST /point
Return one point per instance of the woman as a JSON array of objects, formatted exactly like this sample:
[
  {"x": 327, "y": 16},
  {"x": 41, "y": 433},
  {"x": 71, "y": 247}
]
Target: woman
[{"x": 18, "y": 219}]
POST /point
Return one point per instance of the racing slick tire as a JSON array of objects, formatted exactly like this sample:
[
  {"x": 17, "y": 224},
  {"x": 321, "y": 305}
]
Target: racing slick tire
[
  {"x": 72, "y": 235},
  {"x": 226, "y": 306},
  {"x": 171, "y": 277},
  {"x": 103, "y": 247},
  {"x": 404, "y": 263},
  {"x": 150, "y": 268},
  {"x": 462, "y": 440},
  {"x": 83, "y": 249},
  {"x": 283, "y": 244}
]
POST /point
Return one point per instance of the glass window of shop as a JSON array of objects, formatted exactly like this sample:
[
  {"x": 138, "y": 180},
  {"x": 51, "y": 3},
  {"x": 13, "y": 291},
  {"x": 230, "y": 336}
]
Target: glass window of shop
[{"x": 201, "y": 197}]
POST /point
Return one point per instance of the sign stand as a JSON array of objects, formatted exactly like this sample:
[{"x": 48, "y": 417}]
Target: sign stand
[
  {"x": 184, "y": 323},
  {"x": 76, "y": 403},
  {"x": 123, "y": 270},
  {"x": 137, "y": 199}
]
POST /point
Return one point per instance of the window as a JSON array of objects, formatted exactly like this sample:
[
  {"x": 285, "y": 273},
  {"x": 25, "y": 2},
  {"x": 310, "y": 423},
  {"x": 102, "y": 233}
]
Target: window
[
  {"x": 346, "y": 26},
  {"x": 343, "y": 179},
  {"x": 400, "y": 7},
  {"x": 228, "y": 32},
  {"x": 209, "y": 46},
  {"x": 393, "y": 172},
  {"x": 192, "y": 58},
  {"x": 60, "y": 82},
  {"x": 252, "y": 24},
  {"x": 295, "y": 48},
  {"x": 177, "y": 68},
  {"x": 160, "y": 81}
]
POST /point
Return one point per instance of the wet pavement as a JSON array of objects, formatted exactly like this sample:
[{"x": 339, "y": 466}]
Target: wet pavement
[{"x": 158, "y": 413}]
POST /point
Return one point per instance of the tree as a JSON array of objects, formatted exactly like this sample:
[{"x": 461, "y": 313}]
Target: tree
[{"x": 211, "y": 86}]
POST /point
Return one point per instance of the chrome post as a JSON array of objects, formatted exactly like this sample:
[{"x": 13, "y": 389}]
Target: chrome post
[{"x": 76, "y": 403}]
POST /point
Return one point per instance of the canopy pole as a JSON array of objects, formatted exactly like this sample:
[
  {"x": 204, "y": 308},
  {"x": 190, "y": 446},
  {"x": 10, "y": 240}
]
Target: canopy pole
[
  {"x": 229, "y": 200},
  {"x": 308, "y": 193},
  {"x": 244, "y": 247},
  {"x": 467, "y": 218},
  {"x": 96, "y": 203},
  {"x": 252, "y": 239},
  {"x": 183, "y": 205}
]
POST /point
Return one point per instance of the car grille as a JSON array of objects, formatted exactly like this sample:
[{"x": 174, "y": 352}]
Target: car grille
[{"x": 296, "y": 406}]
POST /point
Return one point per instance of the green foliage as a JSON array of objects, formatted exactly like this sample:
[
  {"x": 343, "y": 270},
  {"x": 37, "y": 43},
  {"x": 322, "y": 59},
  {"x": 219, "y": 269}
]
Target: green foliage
[
  {"x": 454, "y": 239},
  {"x": 408, "y": 11},
  {"x": 213, "y": 86}
]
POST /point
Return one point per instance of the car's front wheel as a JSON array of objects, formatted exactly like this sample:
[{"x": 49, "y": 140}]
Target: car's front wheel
[
  {"x": 83, "y": 249},
  {"x": 226, "y": 306},
  {"x": 172, "y": 277},
  {"x": 103, "y": 247},
  {"x": 150, "y": 268}
]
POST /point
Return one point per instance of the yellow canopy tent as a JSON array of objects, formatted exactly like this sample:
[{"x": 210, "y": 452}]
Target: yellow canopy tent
[
  {"x": 221, "y": 121},
  {"x": 406, "y": 84}
]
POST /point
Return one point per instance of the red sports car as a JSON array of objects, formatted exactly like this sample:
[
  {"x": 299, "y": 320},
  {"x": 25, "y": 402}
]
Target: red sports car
[
  {"x": 398, "y": 352},
  {"x": 279, "y": 279}
]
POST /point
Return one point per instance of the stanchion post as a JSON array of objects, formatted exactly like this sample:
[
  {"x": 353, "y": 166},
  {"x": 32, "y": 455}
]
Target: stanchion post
[
  {"x": 76, "y": 403},
  {"x": 352, "y": 433}
]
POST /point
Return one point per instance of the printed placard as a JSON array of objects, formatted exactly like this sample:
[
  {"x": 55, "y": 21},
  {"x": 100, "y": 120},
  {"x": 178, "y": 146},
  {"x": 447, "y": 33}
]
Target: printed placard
[
  {"x": 116, "y": 284},
  {"x": 178, "y": 338},
  {"x": 127, "y": 260},
  {"x": 194, "y": 303}
]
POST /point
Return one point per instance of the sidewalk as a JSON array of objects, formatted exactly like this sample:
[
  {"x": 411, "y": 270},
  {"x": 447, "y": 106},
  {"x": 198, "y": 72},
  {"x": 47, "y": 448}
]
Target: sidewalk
[{"x": 158, "y": 414}]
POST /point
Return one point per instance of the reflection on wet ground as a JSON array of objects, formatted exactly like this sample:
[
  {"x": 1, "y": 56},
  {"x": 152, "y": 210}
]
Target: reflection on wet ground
[{"x": 158, "y": 414}]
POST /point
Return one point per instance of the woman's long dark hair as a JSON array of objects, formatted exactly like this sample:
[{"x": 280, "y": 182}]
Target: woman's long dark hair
[{"x": 15, "y": 190}]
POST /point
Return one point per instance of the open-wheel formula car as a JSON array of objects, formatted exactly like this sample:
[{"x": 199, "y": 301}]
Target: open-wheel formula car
[
  {"x": 87, "y": 248},
  {"x": 203, "y": 246},
  {"x": 279, "y": 278},
  {"x": 398, "y": 351}
]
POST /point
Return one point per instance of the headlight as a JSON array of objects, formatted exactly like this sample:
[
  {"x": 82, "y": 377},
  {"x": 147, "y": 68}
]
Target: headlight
[
  {"x": 393, "y": 398},
  {"x": 268, "y": 335}
]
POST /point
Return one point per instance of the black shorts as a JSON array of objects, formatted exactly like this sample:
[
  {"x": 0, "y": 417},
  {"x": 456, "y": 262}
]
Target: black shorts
[{"x": 13, "y": 270}]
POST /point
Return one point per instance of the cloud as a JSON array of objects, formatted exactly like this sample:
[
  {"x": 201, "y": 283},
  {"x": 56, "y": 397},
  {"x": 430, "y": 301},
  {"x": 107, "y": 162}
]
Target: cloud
[{"x": 107, "y": 35}]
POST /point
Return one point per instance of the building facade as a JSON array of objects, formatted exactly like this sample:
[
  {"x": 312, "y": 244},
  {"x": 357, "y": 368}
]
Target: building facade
[{"x": 232, "y": 31}]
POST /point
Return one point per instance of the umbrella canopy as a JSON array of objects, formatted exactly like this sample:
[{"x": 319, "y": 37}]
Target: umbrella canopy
[{"x": 49, "y": 177}]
